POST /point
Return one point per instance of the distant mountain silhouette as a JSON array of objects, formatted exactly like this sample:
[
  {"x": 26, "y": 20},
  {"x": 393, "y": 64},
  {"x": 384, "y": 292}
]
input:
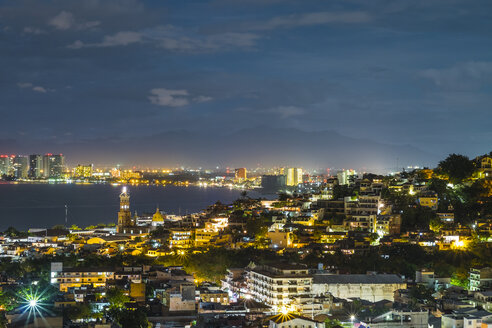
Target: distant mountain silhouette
[{"x": 248, "y": 147}]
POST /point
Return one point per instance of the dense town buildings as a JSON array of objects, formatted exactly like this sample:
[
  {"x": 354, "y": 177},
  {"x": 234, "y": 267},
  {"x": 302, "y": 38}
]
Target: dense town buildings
[{"x": 354, "y": 252}]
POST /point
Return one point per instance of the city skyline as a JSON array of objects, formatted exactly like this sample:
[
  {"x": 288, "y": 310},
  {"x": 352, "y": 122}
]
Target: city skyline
[{"x": 131, "y": 81}]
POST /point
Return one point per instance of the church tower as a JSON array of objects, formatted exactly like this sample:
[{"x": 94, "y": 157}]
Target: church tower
[{"x": 124, "y": 215}]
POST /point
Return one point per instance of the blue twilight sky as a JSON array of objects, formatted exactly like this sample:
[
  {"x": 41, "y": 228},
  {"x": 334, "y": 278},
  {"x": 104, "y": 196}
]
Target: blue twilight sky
[{"x": 415, "y": 73}]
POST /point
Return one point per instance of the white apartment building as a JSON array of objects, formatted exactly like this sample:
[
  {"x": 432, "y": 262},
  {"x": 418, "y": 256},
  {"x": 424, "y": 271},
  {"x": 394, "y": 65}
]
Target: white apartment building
[
  {"x": 278, "y": 285},
  {"x": 362, "y": 212},
  {"x": 480, "y": 279}
]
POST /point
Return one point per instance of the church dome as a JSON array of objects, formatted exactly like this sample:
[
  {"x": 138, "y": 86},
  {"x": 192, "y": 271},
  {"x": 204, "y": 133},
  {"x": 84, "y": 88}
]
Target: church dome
[{"x": 157, "y": 217}]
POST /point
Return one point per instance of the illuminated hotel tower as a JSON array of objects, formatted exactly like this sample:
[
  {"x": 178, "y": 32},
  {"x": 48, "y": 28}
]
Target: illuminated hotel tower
[{"x": 125, "y": 220}]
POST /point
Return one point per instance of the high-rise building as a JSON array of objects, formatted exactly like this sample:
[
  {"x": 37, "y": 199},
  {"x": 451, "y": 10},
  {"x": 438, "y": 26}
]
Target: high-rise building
[
  {"x": 6, "y": 165},
  {"x": 35, "y": 166},
  {"x": 125, "y": 220},
  {"x": 276, "y": 285},
  {"x": 241, "y": 174},
  {"x": 20, "y": 166},
  {"x": 83, "y": 171},
  {"x": 293, "y": 176},
  {"x": 346, "y": 177},
  {"x": 53, "y": 165}
]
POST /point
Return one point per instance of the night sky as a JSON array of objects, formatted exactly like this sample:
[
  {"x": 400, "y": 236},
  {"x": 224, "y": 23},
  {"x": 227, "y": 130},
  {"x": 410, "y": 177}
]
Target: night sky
[{"x": 184, "y": 82}]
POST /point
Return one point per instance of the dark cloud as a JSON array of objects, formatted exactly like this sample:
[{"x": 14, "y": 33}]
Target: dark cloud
[
  {"x": 310, "y": 19},
  {"x": 396, "y": 72},
  {"x": 462, "y": 76},
  {"x": 65, "y": 20}
]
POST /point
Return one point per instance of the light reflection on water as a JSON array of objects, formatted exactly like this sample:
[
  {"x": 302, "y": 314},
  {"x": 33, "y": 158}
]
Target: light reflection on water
[{"x": 43, "y": 205}]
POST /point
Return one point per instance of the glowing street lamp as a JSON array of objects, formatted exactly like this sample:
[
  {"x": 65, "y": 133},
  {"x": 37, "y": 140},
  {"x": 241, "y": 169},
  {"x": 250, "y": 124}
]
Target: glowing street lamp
[{"x": 32, "y": 302}]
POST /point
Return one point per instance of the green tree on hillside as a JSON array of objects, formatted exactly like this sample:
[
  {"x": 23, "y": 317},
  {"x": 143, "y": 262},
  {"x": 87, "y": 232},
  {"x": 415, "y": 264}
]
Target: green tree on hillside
[{"x": 457, "y": 168}]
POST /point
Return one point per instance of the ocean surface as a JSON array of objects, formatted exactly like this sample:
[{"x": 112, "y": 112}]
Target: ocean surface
[{"x": 25, "y": 206}]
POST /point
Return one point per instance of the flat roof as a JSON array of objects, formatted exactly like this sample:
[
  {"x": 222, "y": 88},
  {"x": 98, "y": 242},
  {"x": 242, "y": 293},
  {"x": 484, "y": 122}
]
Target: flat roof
[
  {"x": 89, "y": 269},
  {"x": 357, "y": 279},
  {"x": 280, "y": 274}
]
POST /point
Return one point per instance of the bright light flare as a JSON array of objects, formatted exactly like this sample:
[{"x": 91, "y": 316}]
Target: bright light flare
[{"x": 32, "y": 303}]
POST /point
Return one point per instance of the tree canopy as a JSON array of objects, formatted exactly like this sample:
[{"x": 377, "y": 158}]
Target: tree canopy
[{"x": 456, "y": 167}]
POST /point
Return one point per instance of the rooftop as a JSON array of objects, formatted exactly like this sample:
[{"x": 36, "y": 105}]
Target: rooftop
[{"x": 357, "y": 279}]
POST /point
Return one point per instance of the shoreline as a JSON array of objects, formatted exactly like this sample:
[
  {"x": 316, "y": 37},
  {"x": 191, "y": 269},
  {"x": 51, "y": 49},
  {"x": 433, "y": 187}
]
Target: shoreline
[
  {"x": 26, "y": 205},
  {"x": 81, "y": 182}
]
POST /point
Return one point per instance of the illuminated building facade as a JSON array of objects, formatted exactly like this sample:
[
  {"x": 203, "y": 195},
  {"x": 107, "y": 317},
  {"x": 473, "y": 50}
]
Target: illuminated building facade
[
  {"x": 35, "y": 166},
  {"x": 429, "y": 200},
  {"x": 20, "y": 167},
  {"x": 115, "y": 172},
  {"x": 388, "y": 224},
  {"x": 53, "y": 165},
  {"x": 126, "y": 224},
  {"x": 204, "y": 237},
  {"x": 129, "y": 174},
  {"x": 281, "y": 239},
  {"x": 83, "y": 171},
  {"x": 214, "y": 296},
  {"x": 361, "y": 212},
  {"x": 180, "y": 238},
  {"x": 67, "y": 278},
  {"x": 6, "y": 165},
  {"x": 485, "y": 170},
  {"x": 480, "y": 279},
  {"x": 241, "y": 174},
  {"x": 346, "y": 177},
  {"x": 293, "y": 176},
  {"x": 278, "y": 285}
]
